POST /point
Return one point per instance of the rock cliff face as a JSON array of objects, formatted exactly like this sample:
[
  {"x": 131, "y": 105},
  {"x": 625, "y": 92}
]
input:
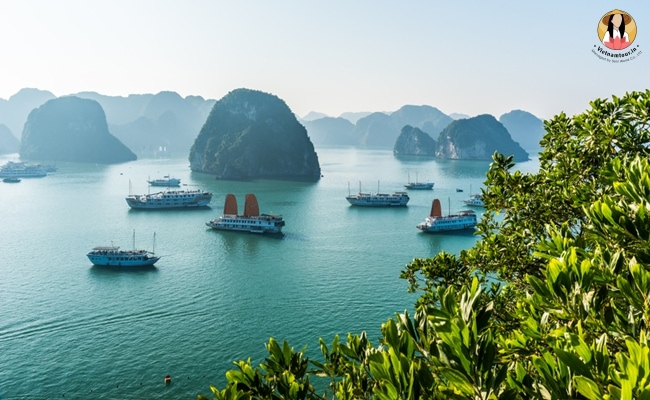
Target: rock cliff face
[
  {"x": 251, "y": 134},
  {"x": 8, "y": 142},
  {"x": 413, "y": 142},
  {"x": 477, "y": 139},
  {"x": 71, "y": 129}
]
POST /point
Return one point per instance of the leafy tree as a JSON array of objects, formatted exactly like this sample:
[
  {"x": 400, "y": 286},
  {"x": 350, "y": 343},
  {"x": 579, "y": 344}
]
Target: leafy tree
[{"x": 552, "y": 302}]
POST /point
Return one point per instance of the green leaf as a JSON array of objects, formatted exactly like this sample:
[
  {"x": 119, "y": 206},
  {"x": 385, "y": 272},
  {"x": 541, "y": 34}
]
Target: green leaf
[
  {"x": 458, "y": 381},
  {"x": 588, "y": 388},
  {"x": 573, "y": 362}
]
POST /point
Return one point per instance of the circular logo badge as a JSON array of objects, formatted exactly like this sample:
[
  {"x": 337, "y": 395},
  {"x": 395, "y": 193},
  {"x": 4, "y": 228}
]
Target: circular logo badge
[{"x": 616, "y": 30}]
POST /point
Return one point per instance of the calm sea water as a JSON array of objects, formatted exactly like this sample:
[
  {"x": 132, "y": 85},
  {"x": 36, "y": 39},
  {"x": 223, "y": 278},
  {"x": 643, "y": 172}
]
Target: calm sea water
[{"x": 71, "y": 330}]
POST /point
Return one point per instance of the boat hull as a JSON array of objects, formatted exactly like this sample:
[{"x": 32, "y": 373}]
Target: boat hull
[{"x": 122, "y": 261}]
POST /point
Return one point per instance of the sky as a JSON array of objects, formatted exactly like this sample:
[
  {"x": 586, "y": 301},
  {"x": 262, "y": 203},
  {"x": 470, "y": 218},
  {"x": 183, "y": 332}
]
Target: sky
[{"x": 331, "y": 57}]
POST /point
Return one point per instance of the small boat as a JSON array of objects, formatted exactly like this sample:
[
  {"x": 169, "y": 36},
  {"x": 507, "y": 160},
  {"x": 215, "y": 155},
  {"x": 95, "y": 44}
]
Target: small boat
[
  {"x": 251, "y": 221},
  {"x": 435, "y": 222},
  {"x": 165, "y": 181},
  {"x": 112, "y": 256},
  {"x": 11, "y": 180},
  {"x": 396, "y": 199},
  {"x": 458, "y": 190},
  {"x": 475, "y": 200},
  {"x": 418, "y": 185}
]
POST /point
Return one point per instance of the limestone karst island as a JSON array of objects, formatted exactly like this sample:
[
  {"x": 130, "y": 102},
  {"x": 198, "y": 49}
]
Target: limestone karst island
[{"x": 250, "y": 134}]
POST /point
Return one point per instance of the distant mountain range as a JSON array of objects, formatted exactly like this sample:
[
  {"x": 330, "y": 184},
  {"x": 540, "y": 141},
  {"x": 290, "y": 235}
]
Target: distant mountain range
[
  {"x": 151, "y": 124},
  {"x": 146, "y": 123},
  {"x": 381, "y": 129}
]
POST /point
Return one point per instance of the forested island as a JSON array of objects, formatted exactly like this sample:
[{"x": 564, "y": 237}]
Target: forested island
[{"x": 250, "y": 134}]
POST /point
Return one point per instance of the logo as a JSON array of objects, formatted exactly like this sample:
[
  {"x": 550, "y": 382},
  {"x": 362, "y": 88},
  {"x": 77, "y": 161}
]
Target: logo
[{"x": 616, "y": 34}]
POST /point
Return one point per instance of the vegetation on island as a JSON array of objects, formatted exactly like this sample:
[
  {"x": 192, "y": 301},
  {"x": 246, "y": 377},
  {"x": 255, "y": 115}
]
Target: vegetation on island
[
  {"x": 250, "y": 134},
  {"x": 414, "y": 142},
  {"x": 477, "y": 138},
  {"x": 567, "y": 315}
]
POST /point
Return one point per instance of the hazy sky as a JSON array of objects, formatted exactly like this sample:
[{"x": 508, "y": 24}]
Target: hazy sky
[{"x": 330, "y": 56}]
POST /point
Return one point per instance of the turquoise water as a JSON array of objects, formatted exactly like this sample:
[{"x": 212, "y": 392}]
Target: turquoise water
[{"x": 68, "y": 329}]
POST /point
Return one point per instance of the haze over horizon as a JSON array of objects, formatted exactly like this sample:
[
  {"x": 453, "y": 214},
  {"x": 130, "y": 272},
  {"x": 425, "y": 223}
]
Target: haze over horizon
[{"x": 331, "y": 58}]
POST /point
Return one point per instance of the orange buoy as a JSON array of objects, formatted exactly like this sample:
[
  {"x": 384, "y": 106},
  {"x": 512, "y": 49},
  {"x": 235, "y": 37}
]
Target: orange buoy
[{"x": 168, "y": 379}]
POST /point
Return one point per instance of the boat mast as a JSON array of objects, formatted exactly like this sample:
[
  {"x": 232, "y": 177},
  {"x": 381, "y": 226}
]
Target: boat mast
[
  {"x": 153, "y": 250},
  {"x": 134, "y": 240}
]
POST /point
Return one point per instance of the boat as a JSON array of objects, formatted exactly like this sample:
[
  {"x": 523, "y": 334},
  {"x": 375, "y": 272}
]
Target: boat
[
  {"x": 22, "y": 170},
  {"x": 458, "y": 190},
  {"x": 12, "y": 179},
  {"x": 250, "y": 221},
  {"x": 435, "y": 222},
  {"x": 170, "y": 199},
  {"x": 165, "y": 181},
  {"x": 112, "y": 256},
  {"x": 475, "y": 200},
  {"x": 396, "y": 199},
  {"x": 418, "y": 185}
]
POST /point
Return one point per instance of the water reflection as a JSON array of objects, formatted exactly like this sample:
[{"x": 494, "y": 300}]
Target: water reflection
[{"x": 105, "y": 271}]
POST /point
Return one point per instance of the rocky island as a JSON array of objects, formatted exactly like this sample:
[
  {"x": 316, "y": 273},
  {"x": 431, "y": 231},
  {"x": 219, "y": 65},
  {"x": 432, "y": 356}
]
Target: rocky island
[
  {"x": 477, "y": 138},
  {"x": 414, "y": 142},
  {"x": 250, "y": 134},
  {"x": 71, "y": 129}
]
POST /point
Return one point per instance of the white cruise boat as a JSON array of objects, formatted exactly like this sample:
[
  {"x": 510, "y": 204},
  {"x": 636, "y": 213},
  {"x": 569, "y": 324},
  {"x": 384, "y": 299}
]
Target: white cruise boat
[
  {"x": 435, "y": 222},
  {"x": 112, "y": 256},
  {"x": 475, "y": 200},
  {"x": 396, "y": 199},
  {"x": 250, "y": 221},
  {"x": 170, "y": 199},
  {"x": 22, "y": 170},
  {"x": 165, "y": 181}
]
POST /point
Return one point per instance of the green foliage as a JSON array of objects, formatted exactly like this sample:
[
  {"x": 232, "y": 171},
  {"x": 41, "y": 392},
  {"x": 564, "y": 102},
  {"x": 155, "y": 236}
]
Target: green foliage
[{"x": 570, "y": 315}]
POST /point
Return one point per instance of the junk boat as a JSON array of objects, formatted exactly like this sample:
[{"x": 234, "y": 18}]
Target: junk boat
[
  {"x": 396, "y": 199},
  {"x": 435, "y": 222},
  {"x": 418, "y": 185},
  {"x": 112, "y": 256},
  {"x": 170, "y": 199},
  {"x": 250, "y": 221}
]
